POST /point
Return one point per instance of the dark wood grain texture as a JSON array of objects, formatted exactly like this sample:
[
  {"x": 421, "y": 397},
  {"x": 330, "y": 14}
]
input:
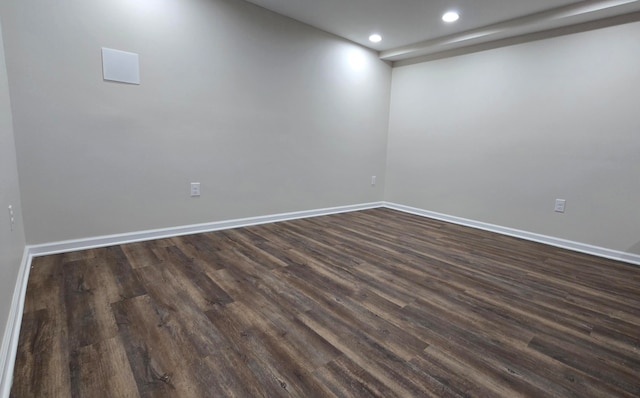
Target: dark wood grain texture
[{"x": 374, "y": 303}]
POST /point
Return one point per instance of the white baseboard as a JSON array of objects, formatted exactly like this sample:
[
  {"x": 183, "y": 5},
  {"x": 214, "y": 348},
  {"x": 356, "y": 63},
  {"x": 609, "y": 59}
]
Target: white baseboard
[
  {"x": 12, "y": 330},
  {"x": 109, "y": 240},
  {"x": 549, "y": 240}
]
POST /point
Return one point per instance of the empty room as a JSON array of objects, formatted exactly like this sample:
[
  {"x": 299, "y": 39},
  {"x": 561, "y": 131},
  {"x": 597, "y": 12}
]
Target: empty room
[{"x": 337, "y": 198}]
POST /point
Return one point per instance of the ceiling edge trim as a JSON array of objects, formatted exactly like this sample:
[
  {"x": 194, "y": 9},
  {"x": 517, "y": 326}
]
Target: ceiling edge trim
[{"x": 572, "y": 10}]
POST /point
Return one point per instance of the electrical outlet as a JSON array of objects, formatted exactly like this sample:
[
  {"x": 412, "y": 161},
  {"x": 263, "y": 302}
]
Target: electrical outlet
[
  {"x": 195, "y": 189},
  {"x": 373, "y": 181},
  {"x": 560, "y": 203},
  {"x": 12, "y": 219}
]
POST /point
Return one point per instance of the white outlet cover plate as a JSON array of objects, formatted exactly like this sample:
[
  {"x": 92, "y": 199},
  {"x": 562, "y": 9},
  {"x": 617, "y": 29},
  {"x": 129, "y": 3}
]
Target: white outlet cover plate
[
  {"x": 120, "y": 66},
  {"x": 195, "y": 189}
]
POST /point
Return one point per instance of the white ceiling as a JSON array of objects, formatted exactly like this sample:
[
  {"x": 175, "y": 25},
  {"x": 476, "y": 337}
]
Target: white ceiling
[{"x": 412, "y": 28}]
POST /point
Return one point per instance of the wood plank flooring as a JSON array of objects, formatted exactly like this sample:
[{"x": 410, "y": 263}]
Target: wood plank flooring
[{"x": 374, "y": 303}]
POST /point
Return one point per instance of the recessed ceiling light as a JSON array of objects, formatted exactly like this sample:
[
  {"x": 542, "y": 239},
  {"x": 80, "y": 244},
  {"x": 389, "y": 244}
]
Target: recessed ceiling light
[
  {"x": 450, "y": 16},
  {"x": 375, "y": 38}
]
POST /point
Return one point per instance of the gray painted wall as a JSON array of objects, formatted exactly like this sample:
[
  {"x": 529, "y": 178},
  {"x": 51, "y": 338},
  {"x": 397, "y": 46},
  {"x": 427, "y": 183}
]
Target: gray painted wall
[
  {"x": 11, "y": 243},
  {"x": 268, "y": 114},
  {"x": 497, "y": 136}
]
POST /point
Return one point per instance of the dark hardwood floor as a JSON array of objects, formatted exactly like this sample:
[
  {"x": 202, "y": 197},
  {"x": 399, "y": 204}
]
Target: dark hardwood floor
[{"x": 370, "y": 303}]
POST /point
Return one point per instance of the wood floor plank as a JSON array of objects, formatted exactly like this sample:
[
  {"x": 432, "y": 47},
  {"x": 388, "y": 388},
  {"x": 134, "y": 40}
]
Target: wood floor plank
[
  {"x": 452, "y": 373},
  {"x": 122, "y": 276},
  {"x": 88, "y": 312},
  {"x": 373, "y": 303},
  {"x": 102, "y": 369},
  {"x": 83, "y": 255},
  {"x": 275, "y": 365},
  {"x": 276, "y": 303},
  {"x": 203, "y": 255},
  {"x": 280, "y": 311},
  {"x": 497, "y": 361},
  {"x": 140, "y": 254},
  {"x": 178, "y": 310},
  {"x": 385, "y": 366},
  {"x": 250, "y": 276},
  {"x": 45, "y": 278},
  {"x": 193, "y": 279},
  {"x": 624, "y": 380},
  {"x": 159, "y": 351},
  {"x": 392, "y": 337},
  {"x": 41, "y": 368},
  {"x": 346, "y": 379}
]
